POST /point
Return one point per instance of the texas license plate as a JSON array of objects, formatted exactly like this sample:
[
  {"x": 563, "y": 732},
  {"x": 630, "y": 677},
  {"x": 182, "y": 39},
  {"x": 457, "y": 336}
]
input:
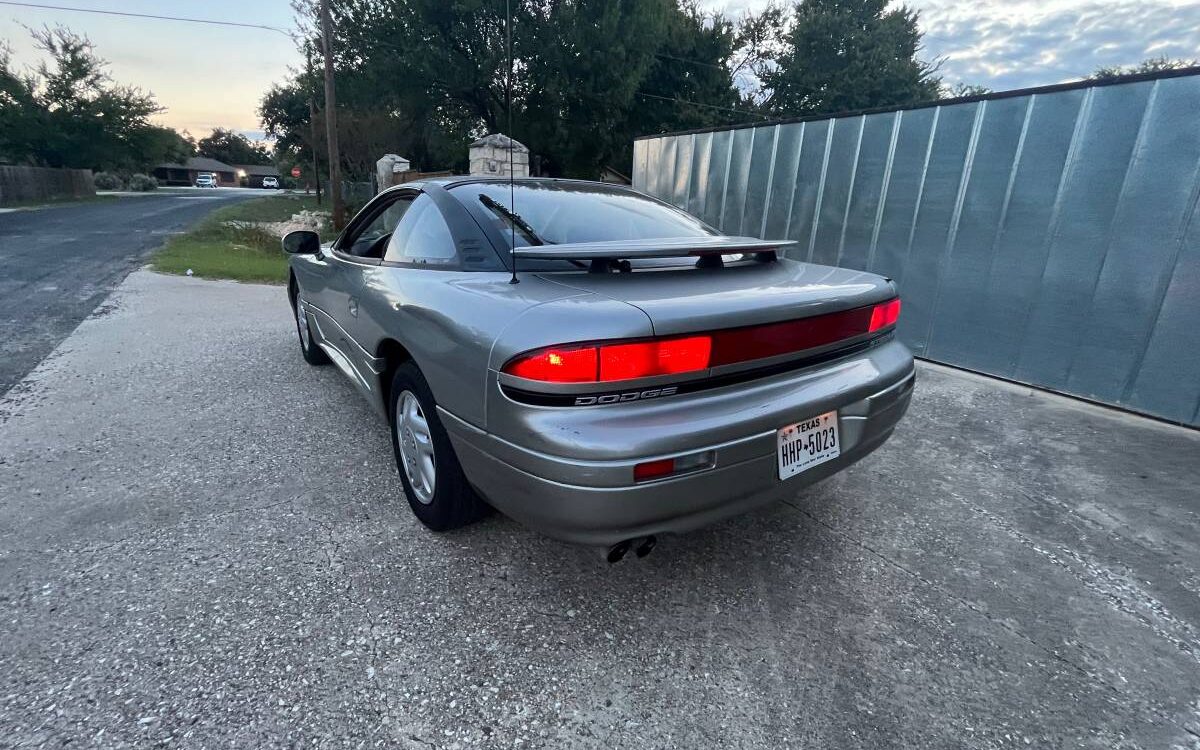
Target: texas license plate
[{"x": 806, "y": 444}]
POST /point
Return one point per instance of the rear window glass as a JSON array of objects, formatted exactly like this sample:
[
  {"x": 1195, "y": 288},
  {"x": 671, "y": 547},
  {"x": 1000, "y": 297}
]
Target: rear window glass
[{"x": 568, "y": 212}]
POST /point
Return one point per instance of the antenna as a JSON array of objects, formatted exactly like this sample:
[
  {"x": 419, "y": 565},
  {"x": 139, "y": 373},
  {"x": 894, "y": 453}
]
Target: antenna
[{"x": 512, "y": 190}]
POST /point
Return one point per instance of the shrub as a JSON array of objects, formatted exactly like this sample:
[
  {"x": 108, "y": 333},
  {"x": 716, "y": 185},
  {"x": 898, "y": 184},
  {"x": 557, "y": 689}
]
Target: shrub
[
  {"x": 142, "y": 182},
  {"x": 107, "y": 181}
]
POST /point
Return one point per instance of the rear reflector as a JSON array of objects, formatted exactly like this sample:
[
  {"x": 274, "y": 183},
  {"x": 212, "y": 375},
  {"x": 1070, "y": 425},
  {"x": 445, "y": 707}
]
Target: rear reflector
[
  {"x": 621, "y": 361},
  {"x": 665, "y": 467},
  {"x": 653, "y": 469}
]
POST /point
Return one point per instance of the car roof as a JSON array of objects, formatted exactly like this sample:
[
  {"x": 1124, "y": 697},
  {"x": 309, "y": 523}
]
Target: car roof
[{"x": 452, "y": 181}]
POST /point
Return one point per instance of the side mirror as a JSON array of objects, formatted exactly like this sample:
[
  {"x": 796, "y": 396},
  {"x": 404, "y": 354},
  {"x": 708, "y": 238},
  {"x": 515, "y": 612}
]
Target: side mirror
[{"x": 301, "y": 242}]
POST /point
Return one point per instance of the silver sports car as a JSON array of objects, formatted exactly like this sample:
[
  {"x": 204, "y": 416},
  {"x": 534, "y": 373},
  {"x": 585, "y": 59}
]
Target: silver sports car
[{"x": 636, "y": 373}]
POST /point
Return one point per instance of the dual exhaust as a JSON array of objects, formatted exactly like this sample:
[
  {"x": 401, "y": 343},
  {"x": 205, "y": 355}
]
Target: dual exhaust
[{"x": 641, "y": 547}]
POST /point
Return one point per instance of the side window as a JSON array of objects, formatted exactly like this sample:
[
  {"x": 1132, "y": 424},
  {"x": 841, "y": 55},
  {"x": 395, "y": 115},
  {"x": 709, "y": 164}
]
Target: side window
[
  {"x": 371, "y": 241},
  {"x": 422, "y": 236}
]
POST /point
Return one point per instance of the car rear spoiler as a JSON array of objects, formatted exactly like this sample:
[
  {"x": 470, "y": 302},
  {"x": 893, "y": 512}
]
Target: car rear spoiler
[{"x": 607, "y": 255}]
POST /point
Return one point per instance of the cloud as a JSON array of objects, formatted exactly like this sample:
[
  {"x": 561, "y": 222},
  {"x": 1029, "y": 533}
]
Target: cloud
[
  {"x": 1014, "y": 44},
  {"x": 1018, "y": 44}
]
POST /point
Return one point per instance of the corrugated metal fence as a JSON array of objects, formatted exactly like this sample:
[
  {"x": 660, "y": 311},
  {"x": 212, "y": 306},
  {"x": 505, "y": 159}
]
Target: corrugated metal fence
[{"x": 1049, "y": 237}]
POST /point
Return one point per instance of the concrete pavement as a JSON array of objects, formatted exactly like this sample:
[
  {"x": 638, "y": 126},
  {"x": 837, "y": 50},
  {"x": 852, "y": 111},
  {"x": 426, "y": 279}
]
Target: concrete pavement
[
  {"x": 61, "y": 261},
  {"x": 204, "y": 544}
]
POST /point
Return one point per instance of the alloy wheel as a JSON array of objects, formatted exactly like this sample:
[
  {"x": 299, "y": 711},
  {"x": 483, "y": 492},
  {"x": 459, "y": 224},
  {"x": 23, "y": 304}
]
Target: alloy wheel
[
  {"x": 302, "y": 325},
  {"x": 416, "y": 447}
]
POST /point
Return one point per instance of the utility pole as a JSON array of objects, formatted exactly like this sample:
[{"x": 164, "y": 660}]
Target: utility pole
[
  {"x": 335, "y": 169},
  {"x": 312, "y": 124}
]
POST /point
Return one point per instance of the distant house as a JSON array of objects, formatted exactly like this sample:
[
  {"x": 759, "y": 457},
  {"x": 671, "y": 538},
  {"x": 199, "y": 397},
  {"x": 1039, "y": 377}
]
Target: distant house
[
  {"x": 251, "y": 175},
  {"x": 185, "y": 173}
]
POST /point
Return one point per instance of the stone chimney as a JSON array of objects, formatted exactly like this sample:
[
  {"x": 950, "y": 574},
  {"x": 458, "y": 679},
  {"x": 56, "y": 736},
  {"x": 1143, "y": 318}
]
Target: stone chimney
[{"x": 490, "y": 156}]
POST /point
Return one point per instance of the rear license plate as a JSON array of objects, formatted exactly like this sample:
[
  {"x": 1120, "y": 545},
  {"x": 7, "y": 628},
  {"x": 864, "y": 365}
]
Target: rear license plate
[{"x": 806, "y": 444}]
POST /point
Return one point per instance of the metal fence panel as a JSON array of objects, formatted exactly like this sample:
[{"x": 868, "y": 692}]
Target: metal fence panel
[
  {"x": 698, "y": 183},
  {"x": 1051, "y": 237},
  {"x": 870, "y": 173},
  {"x": 832, "y": 200},
  {"x": 758, "y": 182},
  {"x": 737, "y": 180},
  {"x": 785, "y": 163},
  {"x": 957, "y": 310},
  {"x": 810, "y": 182}
]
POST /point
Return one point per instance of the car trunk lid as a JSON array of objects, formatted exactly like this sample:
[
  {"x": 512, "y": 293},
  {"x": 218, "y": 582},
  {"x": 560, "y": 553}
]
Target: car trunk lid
[{"x": 685, "y": 299}]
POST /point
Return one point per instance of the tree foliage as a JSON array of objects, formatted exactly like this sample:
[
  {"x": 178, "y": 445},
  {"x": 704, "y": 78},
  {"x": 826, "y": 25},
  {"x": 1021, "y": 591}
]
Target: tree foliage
[
  {"x": 840, "y": 55},
  {"x": 68, "y": 112},
  {"x": 961, "y": 90},
  {"x": 1151, "y": 65},
  {"x": 422, "y": 77},
  {"x": 232, "y": 148}
]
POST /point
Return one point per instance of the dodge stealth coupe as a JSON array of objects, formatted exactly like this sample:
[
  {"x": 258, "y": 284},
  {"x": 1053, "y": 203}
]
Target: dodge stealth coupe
[{"x": 595, "y": 363}]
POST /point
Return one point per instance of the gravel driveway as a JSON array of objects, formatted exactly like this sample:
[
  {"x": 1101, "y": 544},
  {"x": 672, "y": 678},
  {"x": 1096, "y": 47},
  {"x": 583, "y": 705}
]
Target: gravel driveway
[{"x": 203, "y": 543}]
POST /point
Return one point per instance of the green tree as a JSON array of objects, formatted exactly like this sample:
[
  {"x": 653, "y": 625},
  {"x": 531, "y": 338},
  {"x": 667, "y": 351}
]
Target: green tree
[
  {"x": 423, "y": 77},
  {"x": 689, "y": 83},
  {"x": 21, "y": 115},
  {"x": 232, "y": 148},
  {"x": 840, "y": 55},
  {"x": 1151, "y": 65},
  {"x": 961, "y": 89},
  {"x": 157, "y": 145},
  {"x": 67, "y": 111}
]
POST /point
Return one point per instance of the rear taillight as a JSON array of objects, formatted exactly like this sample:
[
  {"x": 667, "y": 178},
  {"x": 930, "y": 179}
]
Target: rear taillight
[
  {"x": 885, "y": 314},
  {"x": 606, "y": 363},
  {"x": 622, "y": 361},
  {"x": 557, "y": 365}
]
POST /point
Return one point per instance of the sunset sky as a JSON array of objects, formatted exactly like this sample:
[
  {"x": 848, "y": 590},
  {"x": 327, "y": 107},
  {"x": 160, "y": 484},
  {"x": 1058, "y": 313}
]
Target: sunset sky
[{"x": 214, "y": 76}]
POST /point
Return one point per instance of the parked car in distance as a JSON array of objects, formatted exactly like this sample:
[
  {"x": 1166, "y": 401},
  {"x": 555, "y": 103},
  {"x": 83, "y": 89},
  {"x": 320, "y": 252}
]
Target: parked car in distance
[
  {"x": 206, "y": 180},
  {"x": 636, "y": 374},
  {"x": 270, "y": 182}
]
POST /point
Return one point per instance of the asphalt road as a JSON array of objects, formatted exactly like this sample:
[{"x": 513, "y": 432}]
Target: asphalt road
[
  {"x": 57, "y": 264},
  {"x": 203, "y": 544}
]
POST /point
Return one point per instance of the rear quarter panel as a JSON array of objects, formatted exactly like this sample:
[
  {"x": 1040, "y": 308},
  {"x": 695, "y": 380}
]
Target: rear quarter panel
[{"x": 449, "y": 322}]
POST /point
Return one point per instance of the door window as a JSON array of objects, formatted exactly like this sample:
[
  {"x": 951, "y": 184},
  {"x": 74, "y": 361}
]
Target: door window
[
  {"x": 422, "y": 236},
  {"x": 371, "y": 240}
]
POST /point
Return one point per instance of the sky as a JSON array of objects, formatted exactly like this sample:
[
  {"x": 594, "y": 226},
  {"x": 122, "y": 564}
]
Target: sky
[
  {"x": 214, "y": 76},
  {"x": 206, "y": 76}
]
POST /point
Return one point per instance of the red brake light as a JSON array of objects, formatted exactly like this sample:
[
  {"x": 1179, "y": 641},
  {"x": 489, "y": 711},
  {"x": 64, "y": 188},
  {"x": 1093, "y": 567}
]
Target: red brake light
[
  {"x": 612, "y": 362},
  {"x": 644, "y": 359},
  {"x": 621, "y": 361},
  {"x": 885, "y": 314},
  {"x": 558, "y": 365}
]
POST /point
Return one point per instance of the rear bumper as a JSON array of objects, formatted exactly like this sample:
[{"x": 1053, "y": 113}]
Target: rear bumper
[{"x": 583, "y": 494}]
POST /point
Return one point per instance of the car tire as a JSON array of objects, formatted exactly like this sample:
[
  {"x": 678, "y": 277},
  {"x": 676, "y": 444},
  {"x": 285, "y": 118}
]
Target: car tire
[
  {"x": 313, "y": 354},
  {"x": 450, "y": 502}
]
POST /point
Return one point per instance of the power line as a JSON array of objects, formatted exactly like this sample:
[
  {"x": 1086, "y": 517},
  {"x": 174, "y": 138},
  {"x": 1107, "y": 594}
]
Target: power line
[
  {"x": 677, "y": 100},
  {"x": 665, "y": 56},
  {"x": 147, "y": 15}
]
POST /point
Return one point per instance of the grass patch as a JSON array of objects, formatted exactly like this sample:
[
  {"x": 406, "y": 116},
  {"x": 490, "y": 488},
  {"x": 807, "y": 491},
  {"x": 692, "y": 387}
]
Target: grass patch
[{"x": 215, "y": 250}]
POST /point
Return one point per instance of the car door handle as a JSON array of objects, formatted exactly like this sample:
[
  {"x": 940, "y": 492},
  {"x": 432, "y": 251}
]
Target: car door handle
[{"x": 353, "y": 305}]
